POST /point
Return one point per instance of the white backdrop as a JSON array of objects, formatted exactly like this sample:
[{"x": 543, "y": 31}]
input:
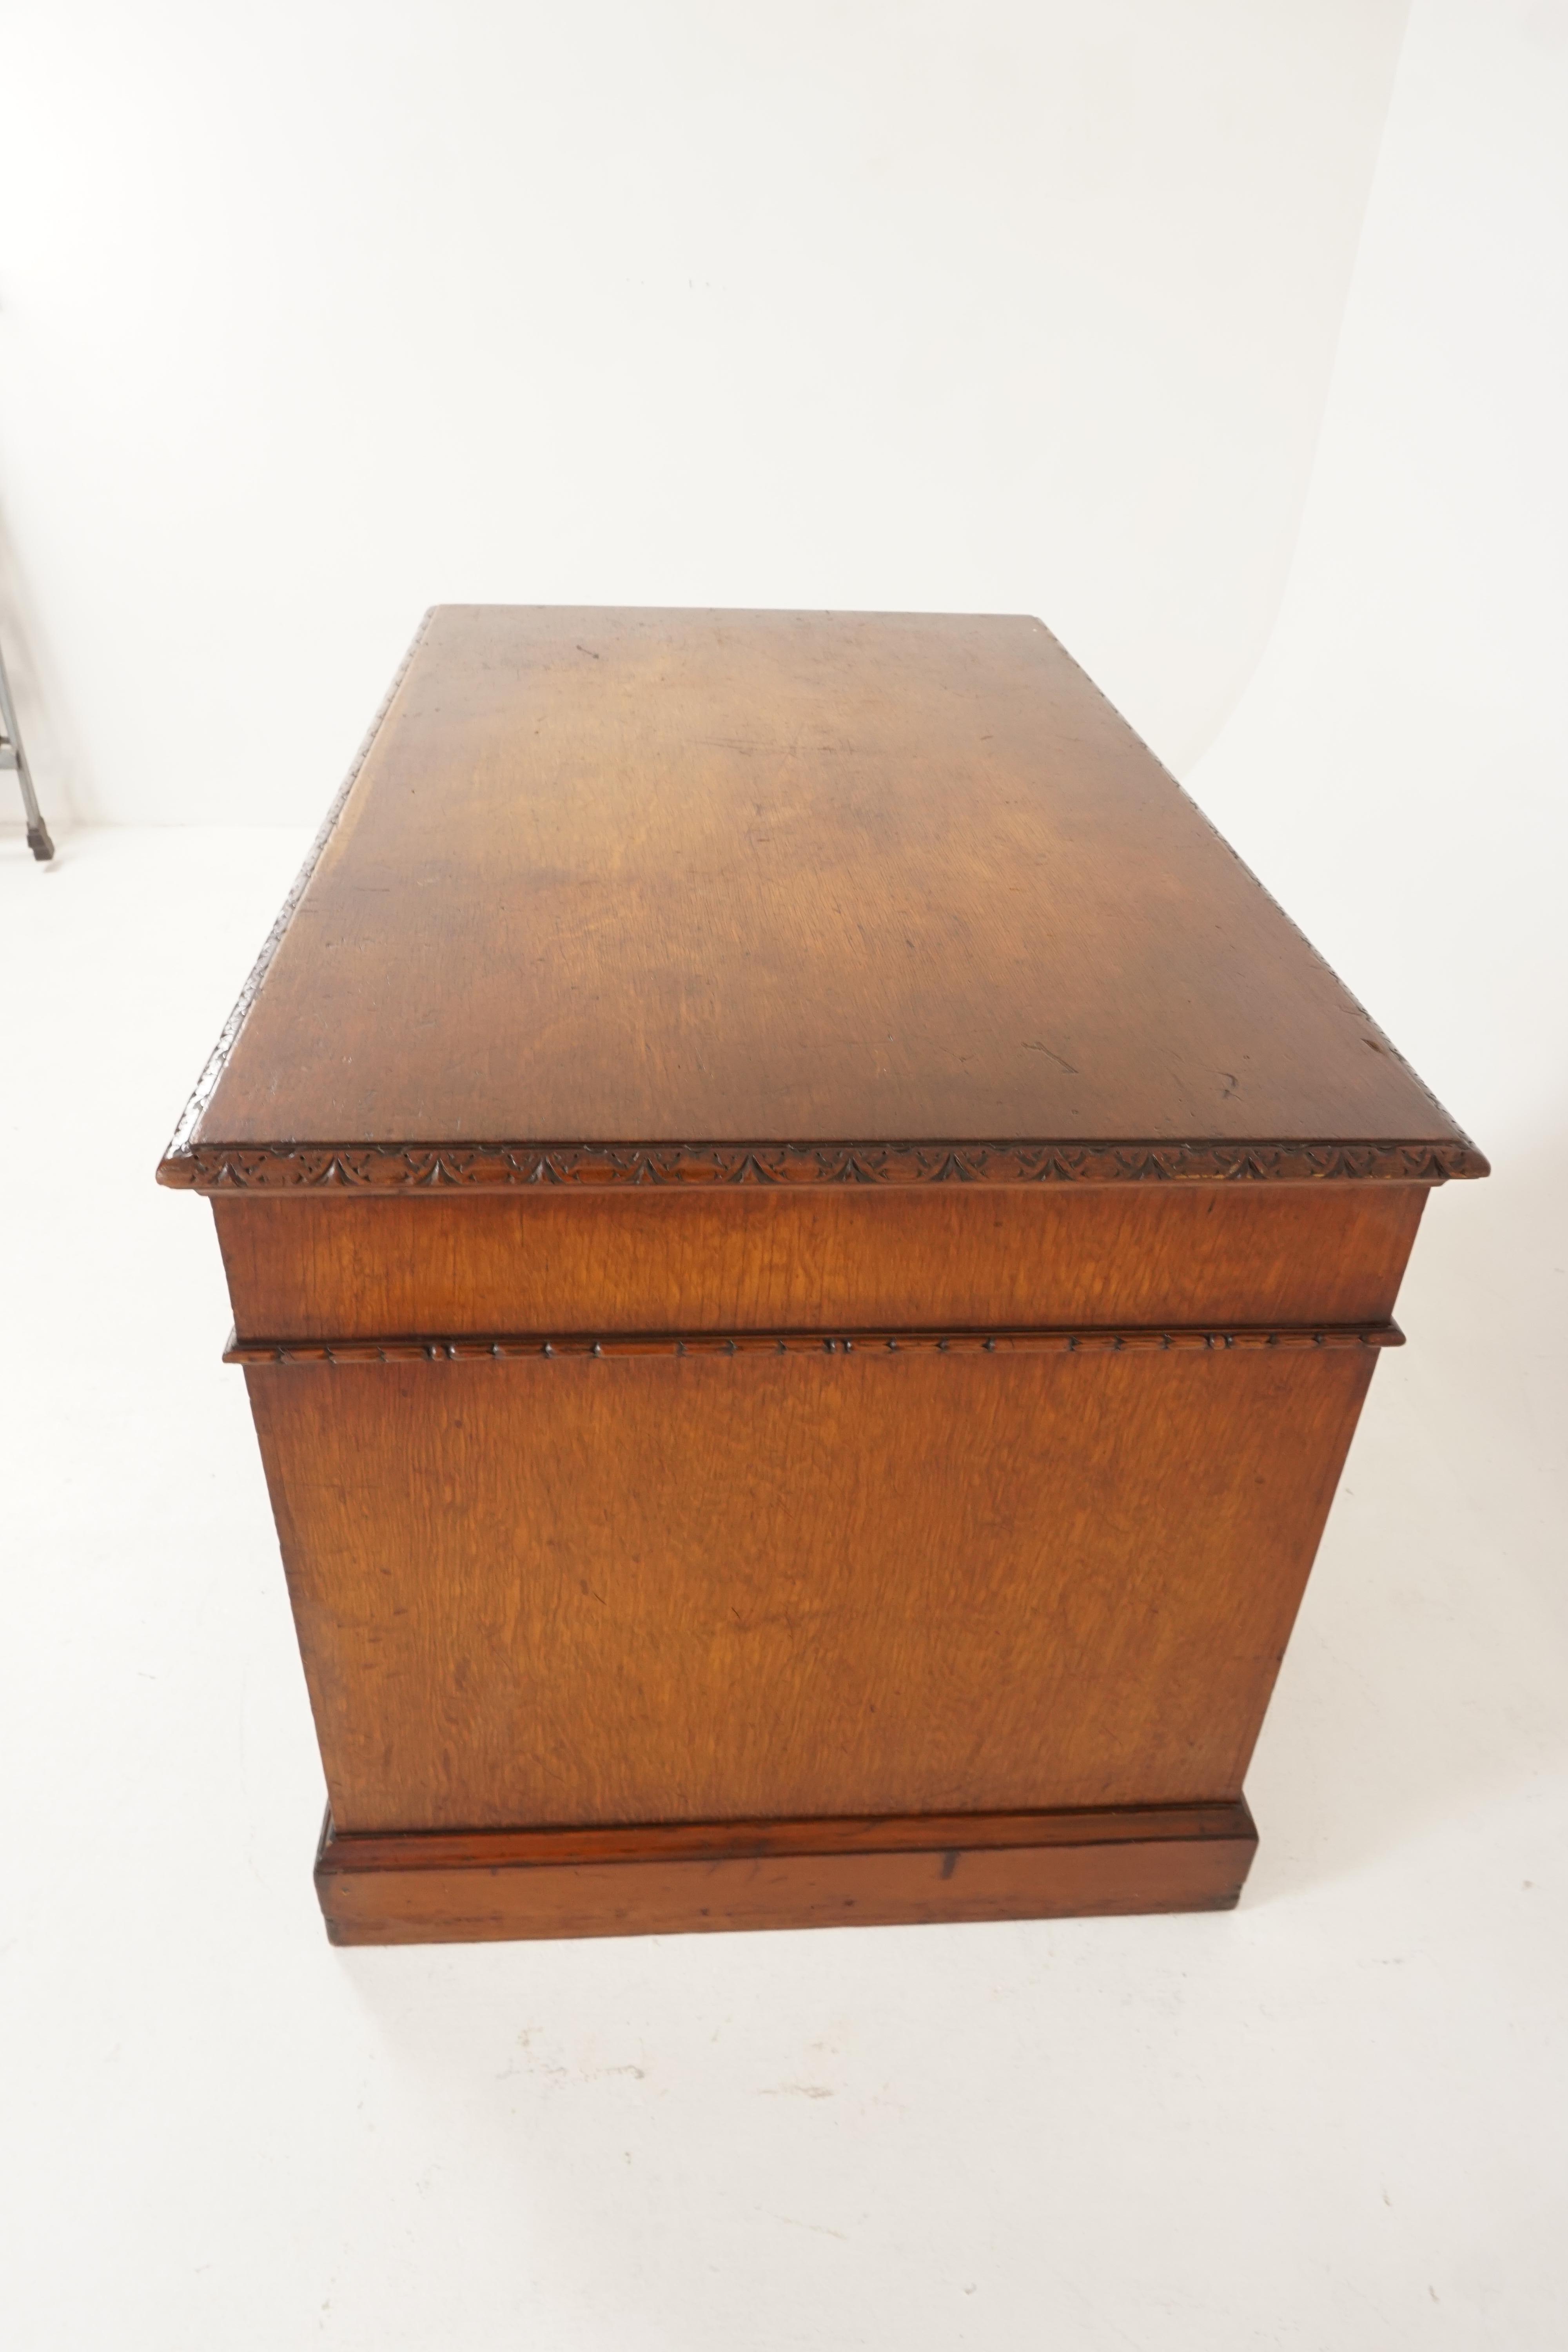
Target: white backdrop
[
  {"x": 1397, "y": 770},
  {"x": 314, "y": 315}
]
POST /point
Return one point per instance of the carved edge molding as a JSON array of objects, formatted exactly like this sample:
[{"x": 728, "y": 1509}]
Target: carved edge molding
[
  {"x": 876, "y": 1344},
  {"x": 180, "y": 1141},
  {"x": 407, "y": 1167}
]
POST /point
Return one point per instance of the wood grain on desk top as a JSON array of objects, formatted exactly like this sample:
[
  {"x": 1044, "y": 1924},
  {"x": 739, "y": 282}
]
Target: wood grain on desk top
[{"x": 666, "y": 877}]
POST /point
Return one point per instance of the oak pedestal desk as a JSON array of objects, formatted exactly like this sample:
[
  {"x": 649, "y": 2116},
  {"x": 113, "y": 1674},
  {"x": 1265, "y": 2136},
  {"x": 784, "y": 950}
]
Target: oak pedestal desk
[{"x": 806, "y": 1245}]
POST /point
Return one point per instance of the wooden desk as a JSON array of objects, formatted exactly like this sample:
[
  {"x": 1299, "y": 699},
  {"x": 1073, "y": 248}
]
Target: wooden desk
[{"x": 806, "y": 1245}]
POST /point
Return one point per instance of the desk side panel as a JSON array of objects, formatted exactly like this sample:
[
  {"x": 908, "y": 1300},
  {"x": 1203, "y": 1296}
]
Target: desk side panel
[
  {"x": 661, "y": 1588},
  {"x": 326, "y": 1267}
]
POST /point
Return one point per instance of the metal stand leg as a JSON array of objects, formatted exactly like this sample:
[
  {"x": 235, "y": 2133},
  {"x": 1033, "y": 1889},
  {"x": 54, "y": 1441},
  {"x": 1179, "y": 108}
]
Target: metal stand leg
[{"x": 12, "y": 756}]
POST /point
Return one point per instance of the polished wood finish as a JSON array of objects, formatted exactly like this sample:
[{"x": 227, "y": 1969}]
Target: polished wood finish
[
  {"x": 337, "y": 1268},
  {"x": 806, "y": 1247},
  {"x": 690, "y": 1588},
  {"x": 751, "y": 878},
  {"x": 678, "y": 1879}
]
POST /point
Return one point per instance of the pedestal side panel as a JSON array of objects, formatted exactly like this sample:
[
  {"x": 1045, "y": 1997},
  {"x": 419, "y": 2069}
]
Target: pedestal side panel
[{"x": 665, "y": 1588}]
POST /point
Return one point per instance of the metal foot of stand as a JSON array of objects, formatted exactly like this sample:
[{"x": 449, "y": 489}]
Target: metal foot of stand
[{"x": 12, "y": 756}]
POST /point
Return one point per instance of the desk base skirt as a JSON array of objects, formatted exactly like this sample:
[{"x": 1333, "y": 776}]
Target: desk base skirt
[{"x": 680, "y": 1878}]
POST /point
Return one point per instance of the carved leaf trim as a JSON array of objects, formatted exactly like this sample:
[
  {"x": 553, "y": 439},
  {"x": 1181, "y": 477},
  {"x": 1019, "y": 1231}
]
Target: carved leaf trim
[{"x": 402, "y": 1167}]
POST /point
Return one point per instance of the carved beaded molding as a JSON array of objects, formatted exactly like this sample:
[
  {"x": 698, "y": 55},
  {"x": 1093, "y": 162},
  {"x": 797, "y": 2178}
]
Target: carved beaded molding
[
  {"x": 874, "y": 1344},
  {"x": 402, "y": 1167}
]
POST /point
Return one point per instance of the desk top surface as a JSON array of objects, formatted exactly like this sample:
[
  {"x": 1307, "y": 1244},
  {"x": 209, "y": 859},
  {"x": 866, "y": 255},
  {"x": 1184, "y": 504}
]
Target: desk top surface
[{"x": 622, "y": 895}]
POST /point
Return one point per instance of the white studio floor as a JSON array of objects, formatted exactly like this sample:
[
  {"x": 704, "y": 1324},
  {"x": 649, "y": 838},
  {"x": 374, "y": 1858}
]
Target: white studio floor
[{"x": 1335, "y": 2118}]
